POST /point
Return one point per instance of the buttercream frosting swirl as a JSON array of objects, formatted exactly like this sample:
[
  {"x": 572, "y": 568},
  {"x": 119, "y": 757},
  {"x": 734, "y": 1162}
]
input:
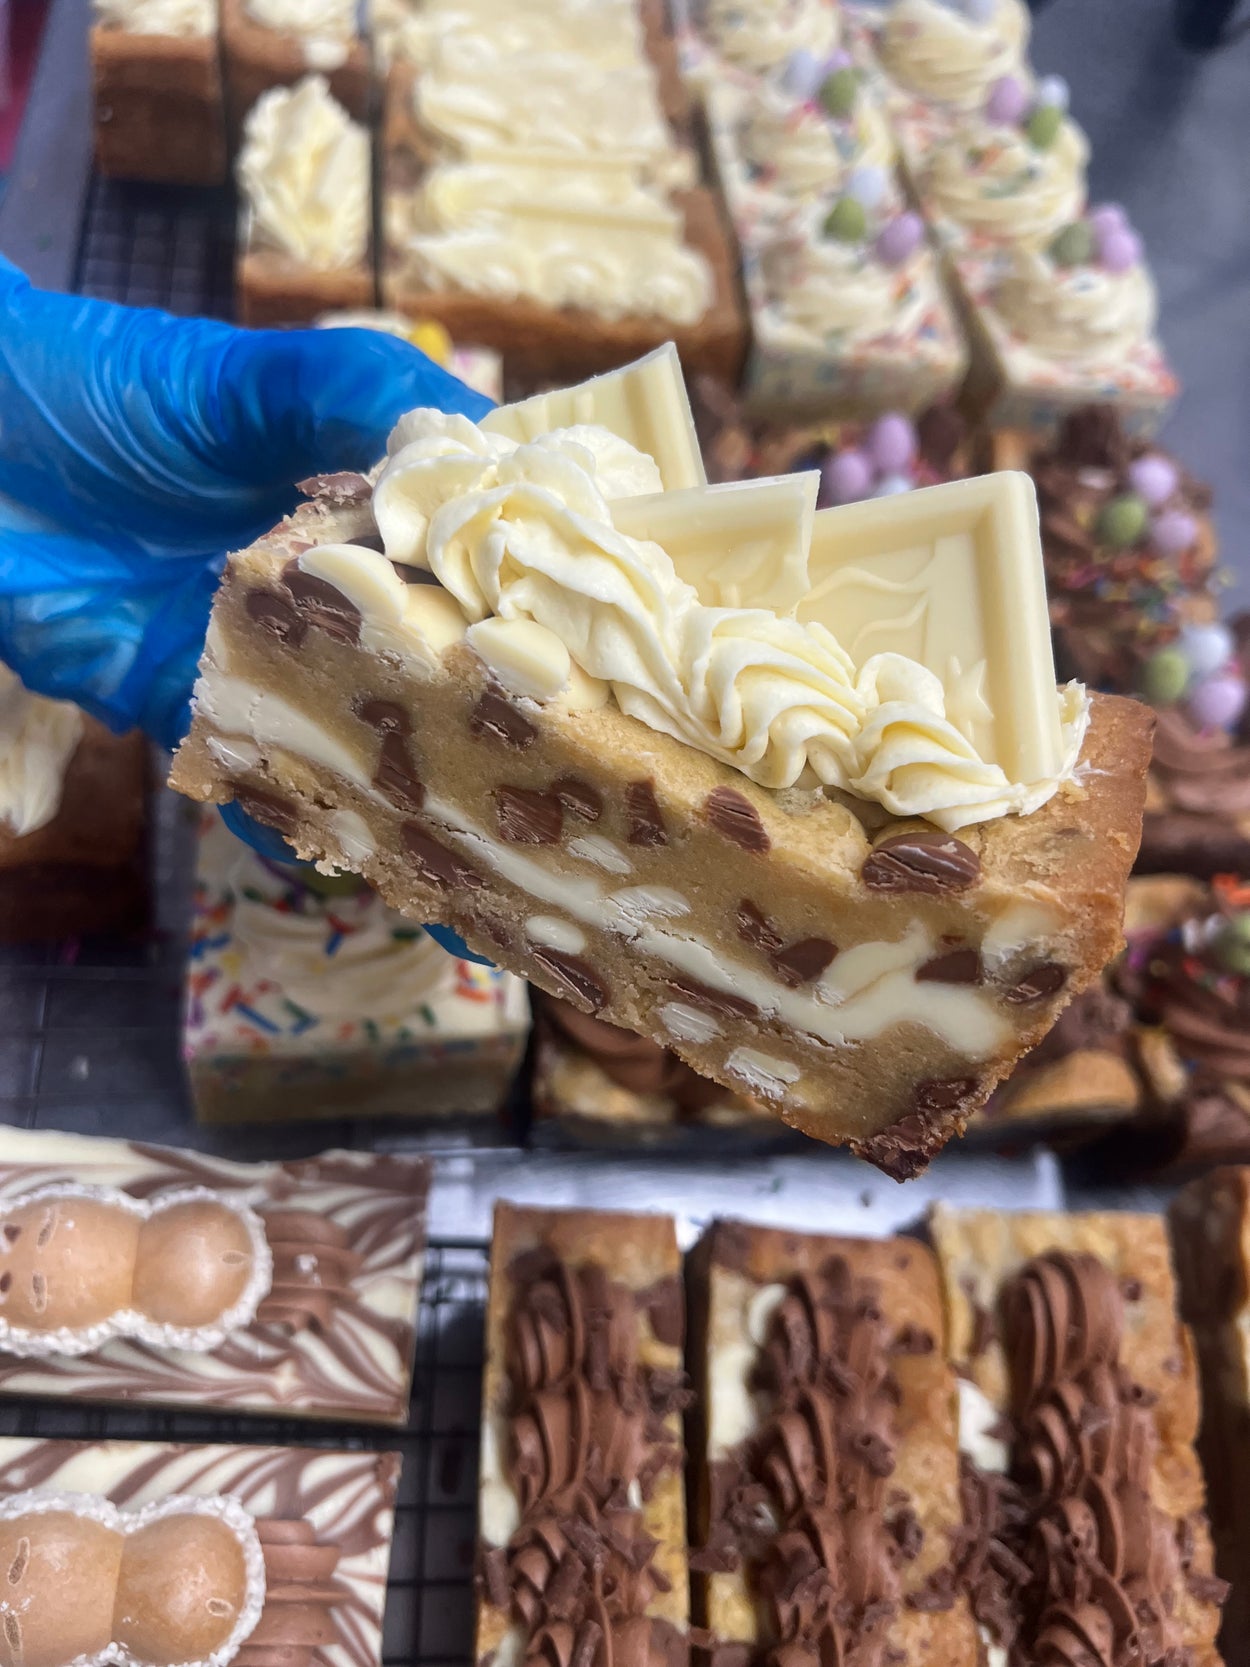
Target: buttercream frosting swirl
[
  {"x": 327, "y": 28},
  {"x": 945, "y": 55},
  {"x": 1082, "y": 315},
  {"x": 596, "y": 237},
  {"x": 760, "y": 35},
  {"x": 470, "y": 97},
  {"x": 526, "y": 532},
  {"x": 38, "y": 738},
  {"x": 822, "y": 290},
  {"x": 601, "y": 32},
  {"x": 350, "y": 956},
  {"x": 186, "y": 19},
  {"x": 799, "y": 152},
  {"x": 304, "y": 169},
  {"x": 991, "y": 179}
]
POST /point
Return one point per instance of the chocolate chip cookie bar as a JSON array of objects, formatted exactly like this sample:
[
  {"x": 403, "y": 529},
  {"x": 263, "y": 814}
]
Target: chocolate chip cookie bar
[
  {"x": 582, "y": 1519},
  {"x": 825, "y": 1461},
  {"x": 535, "y": 680},
  {"x": 1085, "y": 1537},
  {"x": 1210, "y": 1223}
]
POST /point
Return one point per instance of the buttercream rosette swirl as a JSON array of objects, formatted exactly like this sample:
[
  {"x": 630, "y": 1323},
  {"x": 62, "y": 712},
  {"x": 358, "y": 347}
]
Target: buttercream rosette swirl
[
  {"x": 949, "y": 57},
  {"x": 525, "y": 532},
  {"x": 992, "y": 180},
  {"x": 1082, "y": 315}
]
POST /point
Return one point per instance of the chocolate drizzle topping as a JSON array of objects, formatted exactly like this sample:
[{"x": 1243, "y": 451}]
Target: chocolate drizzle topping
[
  {"x": 1069, "y": 1562},
  {"x": 589, "y": 1424},
  {"x": 807, "y": 1502}
]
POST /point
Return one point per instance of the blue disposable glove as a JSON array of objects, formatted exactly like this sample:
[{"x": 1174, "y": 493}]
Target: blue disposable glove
[{"x": 136, "y": 450}]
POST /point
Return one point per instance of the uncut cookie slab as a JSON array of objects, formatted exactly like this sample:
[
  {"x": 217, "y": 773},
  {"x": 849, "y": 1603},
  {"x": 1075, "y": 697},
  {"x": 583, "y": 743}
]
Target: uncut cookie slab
[
  {"x": 866, "y": 976},
  {"x": 130, "y": 1552},
  {"x": 582, "y": 1521},
  {"x": 146, "y": 1275},
  {"x": 825, "y": 1462},
  {"x": 1084, "y": 1500}
]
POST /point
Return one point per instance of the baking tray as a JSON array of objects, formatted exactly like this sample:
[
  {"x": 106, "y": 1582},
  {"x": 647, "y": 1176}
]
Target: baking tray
[{"x": 89, "y": 1032}]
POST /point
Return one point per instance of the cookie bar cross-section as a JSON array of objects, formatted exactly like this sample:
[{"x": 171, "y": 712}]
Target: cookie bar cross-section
[{"x": 792, "y": 792}]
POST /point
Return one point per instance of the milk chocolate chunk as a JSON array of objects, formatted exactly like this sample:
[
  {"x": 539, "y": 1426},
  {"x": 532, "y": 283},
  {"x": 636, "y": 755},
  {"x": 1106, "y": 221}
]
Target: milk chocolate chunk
[
  {"x": 576, "y": 980},
  {"x": 1045, "y": 979},
  {"x": 646, "y": 825},
  {"x": 435, "y": 863},
  {"x": 798, "y": 963},
  {"x": 270, "y": 808},
  {"x": 277, "y": 614},
  {"x": 386, "y": 716},
  {"x": 342, "y": 487},
  {"x": 755, "y": 928},
  {"x": 579, "y": 798},
  {"x": 322, "y": 604},
  {"x": 720, "y": 1003},
  {"x": 527, "y": 817},
  {"x": 396, "y": 776},
  {"x": 954, "y": 966},
  {"x": 733, "y": 814},
  {"x": 924, "y": 862},
  {"x": 497, "y": 719}
]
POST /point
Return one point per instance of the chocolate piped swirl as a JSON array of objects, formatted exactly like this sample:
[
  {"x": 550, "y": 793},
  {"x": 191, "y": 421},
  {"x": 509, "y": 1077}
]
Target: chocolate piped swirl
[
  {"x": 1070, "y": 1563},
  {"x": 807, "y": 1502},
  {"x": 587, "y": 1440}
]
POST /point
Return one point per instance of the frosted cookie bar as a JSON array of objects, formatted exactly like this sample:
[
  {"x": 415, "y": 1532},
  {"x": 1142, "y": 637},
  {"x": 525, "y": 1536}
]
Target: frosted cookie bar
[
  {"x": 825, "y": 1463},
  {"x": 305, "y": 241},
  {"x": 1085, "y": 1530},
  {"x": 276, "y": 43},
  {"x": 137, "y": 1274},
  {"x": 1210, "y": 1224},
  {"x": 128, "y": 1552},
  {"x": 581, "y": 1504},
  {"x": 307, "y": 997},
  {"x": 159, "y": 103},
  {"x": 618, "y": 746}
]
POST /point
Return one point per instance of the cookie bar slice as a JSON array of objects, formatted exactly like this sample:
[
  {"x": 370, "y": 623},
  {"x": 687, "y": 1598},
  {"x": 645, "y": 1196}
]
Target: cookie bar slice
[
  {"x": 650, "y": 845},
  {"x": 1210, "y": 1223},
  {"x": 582, "y": 1519},
  {"x": 1085, "y": 1534},
  {"x": 826, "y": 1472}
]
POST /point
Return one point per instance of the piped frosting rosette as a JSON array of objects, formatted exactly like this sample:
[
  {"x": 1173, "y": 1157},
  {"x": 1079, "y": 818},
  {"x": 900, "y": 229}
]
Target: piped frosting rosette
[
  {"x": 760, "y": 35},
  {"x": 992, "y": 180},
  {"x": 184, "y": 19},
  {"x": 951, "y": 54},
  {"x": 81, "y": 1266},
  {"x": 179, "y": 1582},
  {"x": 524, "y": 534},
  {"x": 1087, "y": 299},
  {"x": 38, "y": 738}
]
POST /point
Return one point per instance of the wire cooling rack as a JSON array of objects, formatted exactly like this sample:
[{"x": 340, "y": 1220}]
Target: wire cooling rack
[
  {"x": 429, "y": 1601},
  {"x": 158, "y": 246}
]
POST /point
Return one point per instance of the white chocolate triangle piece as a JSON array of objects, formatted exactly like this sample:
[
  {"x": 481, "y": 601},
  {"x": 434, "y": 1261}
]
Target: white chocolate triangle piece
[
  {"x": 645, "y": 403},
  {"x": 951, "y": 576},
  {"x": 742, "y": 545}
]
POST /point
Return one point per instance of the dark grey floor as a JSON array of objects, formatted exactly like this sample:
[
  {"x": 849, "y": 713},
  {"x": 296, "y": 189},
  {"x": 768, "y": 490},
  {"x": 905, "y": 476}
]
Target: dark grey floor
[{"x": 1170, "y": 135}]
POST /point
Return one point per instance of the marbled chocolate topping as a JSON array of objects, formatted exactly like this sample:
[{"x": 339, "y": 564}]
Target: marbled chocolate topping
[
  {"x": 1070, "y": 1561},
  {"x": 587, "y": 1440},
  {"x": 1111, "y": 607},
  {"x": 632, "y": 1062},
  {"x": 807, "y": 1501}
]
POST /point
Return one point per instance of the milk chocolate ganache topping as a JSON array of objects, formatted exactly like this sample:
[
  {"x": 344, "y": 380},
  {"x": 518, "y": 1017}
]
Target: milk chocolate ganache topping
[
  {"x": 1075, "y": 1563},
  {"x": 587, "y": 1439},
  {"x": 807, "y": 1502}
]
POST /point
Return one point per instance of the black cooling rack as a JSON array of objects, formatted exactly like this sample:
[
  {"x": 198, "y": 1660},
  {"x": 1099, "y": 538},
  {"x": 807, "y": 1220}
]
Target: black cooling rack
[
  {"x": 429, "y": 1602},
  {"x": 158, "y": 246}
]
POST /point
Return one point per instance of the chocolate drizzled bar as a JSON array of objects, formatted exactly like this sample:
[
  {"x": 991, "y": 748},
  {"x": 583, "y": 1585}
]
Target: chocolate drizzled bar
[
  {"x": 826, "y": 1473},
  {"x": 143, "y": 1552},
  {"x": 582, "y": 1525},
  {"x": 141, "y": 1274},
  {"x": 1085, "y": 1538}
]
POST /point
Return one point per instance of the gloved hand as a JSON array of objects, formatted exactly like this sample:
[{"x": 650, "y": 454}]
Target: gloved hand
[{"x": 136, "y": 451}]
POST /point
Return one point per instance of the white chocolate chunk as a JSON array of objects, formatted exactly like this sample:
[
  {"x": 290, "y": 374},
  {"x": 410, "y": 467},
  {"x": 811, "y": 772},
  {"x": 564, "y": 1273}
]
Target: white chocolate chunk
[
  {"x": 688, "y": 1024},
  {"x": 239, "y": 708},
  {"x": 525, "y": 657},
  {"x": 762, "y": 1072},
  {"x": 951, "y": 576},
  {"x": 602, "y": 852},
  {"x": 742, "y": 545},
  {"x": 434, "y": 617},
  {"x": 645, "y": 404},
  {"x": 585, "y": 693},
  {"x": 365, "y": 578},
  {"x": 553, "y": 933},
  {"x": 977, "y": 1417},
  {"x": 760, "y": 1310},
  {"x": 1022, "y": 924},
  {"x": 639, "y": 903}
]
